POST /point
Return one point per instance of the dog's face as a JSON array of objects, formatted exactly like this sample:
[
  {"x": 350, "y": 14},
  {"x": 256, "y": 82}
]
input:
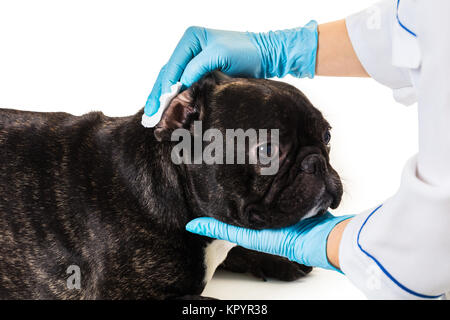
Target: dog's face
[{"x": 303, "y": 182}]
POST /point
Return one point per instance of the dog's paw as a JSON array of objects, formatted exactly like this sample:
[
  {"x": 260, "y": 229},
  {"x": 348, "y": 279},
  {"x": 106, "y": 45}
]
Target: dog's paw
[
  {"x": 193, "y": 297},
  {"x": 263, "y": 265},
  {"x": 279, "y": 268}
]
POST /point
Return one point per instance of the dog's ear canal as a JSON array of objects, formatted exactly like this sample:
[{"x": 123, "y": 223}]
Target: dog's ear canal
[
  {"x": 180, "y": 113},
  {"x": 188, "y": 106}
]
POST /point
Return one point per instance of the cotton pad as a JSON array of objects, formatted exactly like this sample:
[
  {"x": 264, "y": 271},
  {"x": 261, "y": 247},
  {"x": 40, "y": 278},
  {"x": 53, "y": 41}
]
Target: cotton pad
[{"x": 164, "y": 101}]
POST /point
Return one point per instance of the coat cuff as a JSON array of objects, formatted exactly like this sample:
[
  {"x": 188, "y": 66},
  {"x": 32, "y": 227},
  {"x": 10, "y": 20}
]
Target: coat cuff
[{"x": 364, "y": 253}]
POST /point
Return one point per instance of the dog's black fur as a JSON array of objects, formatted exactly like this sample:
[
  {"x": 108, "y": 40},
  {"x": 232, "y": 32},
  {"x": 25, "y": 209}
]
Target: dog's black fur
[{"x": 102, "y": 193}]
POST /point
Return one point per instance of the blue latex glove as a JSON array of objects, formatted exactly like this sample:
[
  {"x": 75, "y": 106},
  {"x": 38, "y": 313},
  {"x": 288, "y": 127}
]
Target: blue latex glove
[
  {"x": 256, "y": 55},
  {"x": 304, "y": 242}
]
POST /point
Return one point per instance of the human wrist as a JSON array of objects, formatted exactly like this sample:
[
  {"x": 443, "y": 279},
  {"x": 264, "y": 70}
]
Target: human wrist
[
  {"x": 310, "y": 246},
  {"x": 289, "y": 51},
  {"x": 333, "y": 243}
]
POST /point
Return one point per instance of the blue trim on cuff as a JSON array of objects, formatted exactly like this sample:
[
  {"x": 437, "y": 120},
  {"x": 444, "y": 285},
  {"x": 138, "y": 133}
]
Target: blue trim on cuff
[
  {"x": 383, "y": 269},
  {"x": 401, "y": 24}
]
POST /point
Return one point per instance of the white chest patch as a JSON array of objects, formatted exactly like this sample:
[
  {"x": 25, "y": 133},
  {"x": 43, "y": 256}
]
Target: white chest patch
[
  {"x": 311, "y": 213},
  {"x": 215, "y": 254}
]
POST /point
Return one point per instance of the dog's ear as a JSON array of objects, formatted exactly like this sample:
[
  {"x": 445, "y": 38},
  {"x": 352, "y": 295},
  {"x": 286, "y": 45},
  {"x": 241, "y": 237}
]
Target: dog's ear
[
  {"x": 218, "y": 77},
  {"x": 188, "y": 106},
  {"x": 180, "y": 113}
]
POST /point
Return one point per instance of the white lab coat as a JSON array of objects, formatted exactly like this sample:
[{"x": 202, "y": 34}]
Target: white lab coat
[{"x": 401, "y": 250}]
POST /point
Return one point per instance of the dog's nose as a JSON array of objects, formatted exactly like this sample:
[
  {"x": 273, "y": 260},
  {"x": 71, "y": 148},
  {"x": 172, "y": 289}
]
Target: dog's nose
[{"x": 313, "y": 164}]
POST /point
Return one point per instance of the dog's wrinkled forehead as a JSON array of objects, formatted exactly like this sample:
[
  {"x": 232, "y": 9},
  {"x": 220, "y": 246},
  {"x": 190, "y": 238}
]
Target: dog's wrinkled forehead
[{"x": 262, "y": 104}]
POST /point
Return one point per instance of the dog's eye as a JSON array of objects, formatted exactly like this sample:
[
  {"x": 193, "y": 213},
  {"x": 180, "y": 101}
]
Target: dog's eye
[
  {"x": 327, "y": 137},
  {"x": 267, "y": 152},
  {"x": 265, "y": 149}
]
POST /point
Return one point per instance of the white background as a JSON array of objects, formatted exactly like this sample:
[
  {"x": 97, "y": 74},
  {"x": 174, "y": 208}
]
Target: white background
[{"x": 78, "y": 56}]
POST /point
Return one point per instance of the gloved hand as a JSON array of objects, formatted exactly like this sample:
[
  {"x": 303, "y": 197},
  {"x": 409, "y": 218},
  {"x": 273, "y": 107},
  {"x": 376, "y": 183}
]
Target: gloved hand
[
  {"x": 304, "y": 242},
  {"x": 257, "y": 55}
]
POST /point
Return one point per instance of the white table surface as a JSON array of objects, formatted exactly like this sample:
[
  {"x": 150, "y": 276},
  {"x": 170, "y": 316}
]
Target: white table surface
[{"x": 319, "y": 284}]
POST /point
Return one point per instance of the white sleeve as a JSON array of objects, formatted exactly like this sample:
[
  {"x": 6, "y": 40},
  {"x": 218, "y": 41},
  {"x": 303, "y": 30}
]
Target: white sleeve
[
  {"x": 400, "y": 250},
  {"x": 370, "y": 33}
]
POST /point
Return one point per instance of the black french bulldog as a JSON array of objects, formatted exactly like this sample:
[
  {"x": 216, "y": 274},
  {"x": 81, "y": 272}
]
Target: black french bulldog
[{"x": 102, "y": 194}]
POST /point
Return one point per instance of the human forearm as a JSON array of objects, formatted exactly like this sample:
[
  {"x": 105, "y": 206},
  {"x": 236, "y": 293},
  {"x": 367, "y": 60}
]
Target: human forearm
[{"x": 335, "y": 54}]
